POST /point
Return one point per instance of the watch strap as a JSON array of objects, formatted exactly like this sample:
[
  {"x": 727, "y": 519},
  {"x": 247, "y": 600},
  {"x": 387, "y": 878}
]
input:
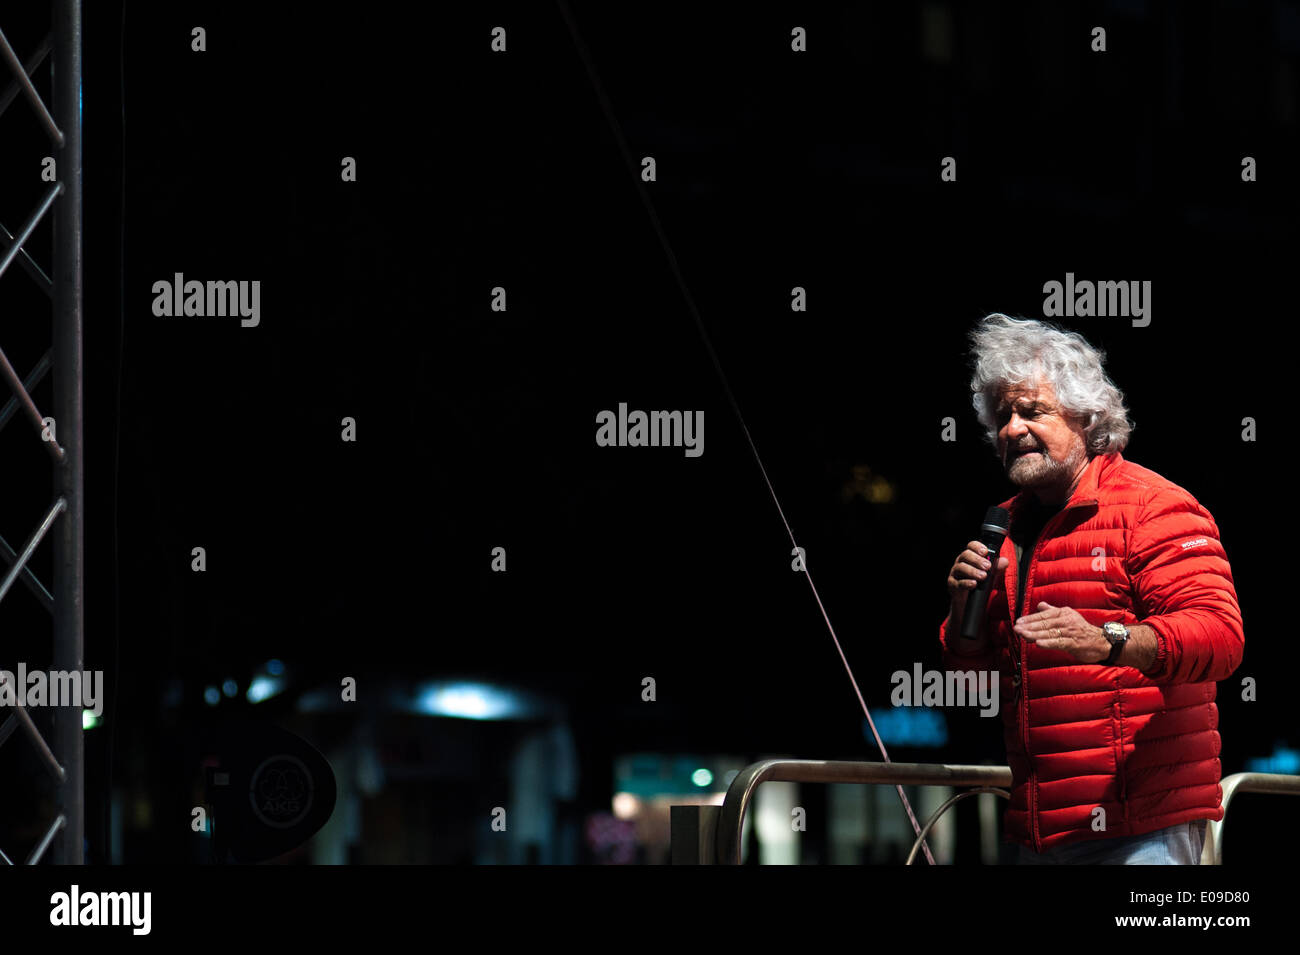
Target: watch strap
[{"x": 1116, "y": 649}]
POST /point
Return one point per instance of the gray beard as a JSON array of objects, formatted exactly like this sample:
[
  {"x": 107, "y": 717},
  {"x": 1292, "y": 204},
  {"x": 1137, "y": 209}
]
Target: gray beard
[{"x": 1037, "y": 470}]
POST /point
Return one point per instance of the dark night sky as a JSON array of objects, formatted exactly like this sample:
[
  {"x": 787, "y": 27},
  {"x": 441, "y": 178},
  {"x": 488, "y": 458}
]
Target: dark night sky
[{"x": 476, "y": 428}]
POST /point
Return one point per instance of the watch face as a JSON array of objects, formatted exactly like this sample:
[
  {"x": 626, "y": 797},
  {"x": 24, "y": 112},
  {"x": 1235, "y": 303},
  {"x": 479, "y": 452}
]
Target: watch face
[{"x": 1113, "y": 631}]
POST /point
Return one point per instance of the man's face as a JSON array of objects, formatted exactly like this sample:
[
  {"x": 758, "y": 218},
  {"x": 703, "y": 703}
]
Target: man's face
[{"x": 1039, "y": 444}]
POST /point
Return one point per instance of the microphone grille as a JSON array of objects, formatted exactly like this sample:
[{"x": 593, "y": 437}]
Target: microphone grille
[{"x": 997, "y": 517}]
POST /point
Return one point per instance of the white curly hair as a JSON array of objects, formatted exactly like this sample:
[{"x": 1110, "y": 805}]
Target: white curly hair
[{"x": 1009, "y": 351}]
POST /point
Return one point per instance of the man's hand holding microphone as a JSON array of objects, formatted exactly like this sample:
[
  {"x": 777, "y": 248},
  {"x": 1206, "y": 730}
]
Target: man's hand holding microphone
[{"x": 972, "y": 574}]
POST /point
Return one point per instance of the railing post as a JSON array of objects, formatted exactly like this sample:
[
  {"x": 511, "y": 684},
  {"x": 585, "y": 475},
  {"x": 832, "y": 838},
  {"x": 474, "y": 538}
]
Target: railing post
[{"x": 1212, "y": 851}]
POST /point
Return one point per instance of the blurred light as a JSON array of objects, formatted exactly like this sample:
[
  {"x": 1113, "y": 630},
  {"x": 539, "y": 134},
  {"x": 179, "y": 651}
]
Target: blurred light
[
  {"x": 212, "y": 696},
  {"x": 319, "y": 700},
  {"x": 370, "y": 771},
  {"x": 692, "y": 776},
  {"x": 880, "y": 491},
  {"x": 89, "y": 720},
  {"x": 909, "y": 726},
  {"x": 471, "y": 701},
  {"x": 463, "y": 699},
  {"x": 774, "y": 805},
  {"x": 274, "y": 667},
  {"x": 611, "y": 841},
  {"x": 626, "y": 806},
  {"x": 870, "y": 487},
  {"x": 230, "y": 688},
  {"x": 1283, "y": 760},
  {"x": 263, "y": 688}
]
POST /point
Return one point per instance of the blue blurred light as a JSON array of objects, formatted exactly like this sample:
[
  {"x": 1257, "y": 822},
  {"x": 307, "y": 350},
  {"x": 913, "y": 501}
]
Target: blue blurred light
[
  {"x": 471, "y": 701},
  {"x": 1283, "y": 760},
  {"x": 274, "y": 667},
  {"x": 212, "y": 696},
  {"x": 909, "y": 726},
  {"x": 230, "y": 688},
  {"x": 263, "y": 688},
  {"x": 702, "y": 778}
]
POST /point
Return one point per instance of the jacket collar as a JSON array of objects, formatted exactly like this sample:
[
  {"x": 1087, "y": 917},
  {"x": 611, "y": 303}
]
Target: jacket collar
[{"x": 1085, "y": 492}]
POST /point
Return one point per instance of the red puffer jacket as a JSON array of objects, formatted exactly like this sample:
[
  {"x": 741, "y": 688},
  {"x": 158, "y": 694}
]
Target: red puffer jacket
[{"x": 1133, "y": 547}]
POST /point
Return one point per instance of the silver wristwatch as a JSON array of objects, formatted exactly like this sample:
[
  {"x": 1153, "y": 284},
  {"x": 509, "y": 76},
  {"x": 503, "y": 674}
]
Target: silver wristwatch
[{"x": 1117, "y": 634}]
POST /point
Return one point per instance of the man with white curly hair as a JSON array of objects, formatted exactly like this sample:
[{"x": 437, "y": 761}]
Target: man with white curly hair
[{"x": 1111, "y": 615}]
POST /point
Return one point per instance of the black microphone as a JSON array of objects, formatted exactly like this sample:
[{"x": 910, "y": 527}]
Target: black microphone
[{"x": 992, "y": 534}]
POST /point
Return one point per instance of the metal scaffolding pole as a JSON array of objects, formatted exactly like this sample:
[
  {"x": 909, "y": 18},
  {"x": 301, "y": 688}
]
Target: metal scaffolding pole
[{"x": 69, "y": 622}]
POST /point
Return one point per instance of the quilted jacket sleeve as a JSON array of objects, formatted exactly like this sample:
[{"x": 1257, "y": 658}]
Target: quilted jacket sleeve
[
  {"x": 955, "y": 661},
  {"x": 1183, "y": 590}
]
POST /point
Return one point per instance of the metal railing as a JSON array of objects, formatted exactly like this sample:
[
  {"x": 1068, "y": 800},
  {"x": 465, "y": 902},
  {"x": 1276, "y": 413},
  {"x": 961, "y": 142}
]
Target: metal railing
[
  {"x": 1212, "y": 853},
  {"x": 62, "y": 433},
  {"x": 709, "y": 835}
]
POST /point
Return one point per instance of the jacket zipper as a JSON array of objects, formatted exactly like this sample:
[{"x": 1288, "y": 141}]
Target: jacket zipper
[{"x": 1023, "y": 671}]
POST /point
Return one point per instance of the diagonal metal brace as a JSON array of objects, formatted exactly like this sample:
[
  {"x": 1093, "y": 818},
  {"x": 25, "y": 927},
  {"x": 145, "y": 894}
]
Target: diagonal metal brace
[
  {"x": 39, "y": 851},
  {"x": 30, "y": 547},
  {"x": 30, "y": 581},
  {"x": 20, "y": 74},
  {"x": 34, "y": 378},
  {"x": 24, "y": 398},
  {"x": 32, "y": 221},
  {"x": 30, "y": 67},
  {"x": 28, "y": 263},
  {"x": 47, "y": 757}
]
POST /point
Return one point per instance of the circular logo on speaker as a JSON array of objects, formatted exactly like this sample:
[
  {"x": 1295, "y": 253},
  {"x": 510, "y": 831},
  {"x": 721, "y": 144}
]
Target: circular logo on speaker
[{"x": 281, "y": 791}]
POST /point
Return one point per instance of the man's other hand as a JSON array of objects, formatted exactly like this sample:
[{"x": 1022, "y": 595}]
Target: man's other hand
[{"x": 1061, "y": 628}]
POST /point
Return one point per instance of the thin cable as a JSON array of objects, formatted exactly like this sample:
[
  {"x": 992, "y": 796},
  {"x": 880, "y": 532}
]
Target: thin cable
[{"x": 608, "y": 110}]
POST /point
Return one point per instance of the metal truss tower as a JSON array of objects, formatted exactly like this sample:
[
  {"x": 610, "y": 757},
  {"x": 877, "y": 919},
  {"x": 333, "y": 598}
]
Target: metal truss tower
[{"x": 62, "y": 754}]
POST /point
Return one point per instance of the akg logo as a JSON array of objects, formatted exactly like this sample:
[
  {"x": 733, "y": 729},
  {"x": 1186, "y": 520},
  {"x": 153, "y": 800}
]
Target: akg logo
[{"x": 281, "y": 791}]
